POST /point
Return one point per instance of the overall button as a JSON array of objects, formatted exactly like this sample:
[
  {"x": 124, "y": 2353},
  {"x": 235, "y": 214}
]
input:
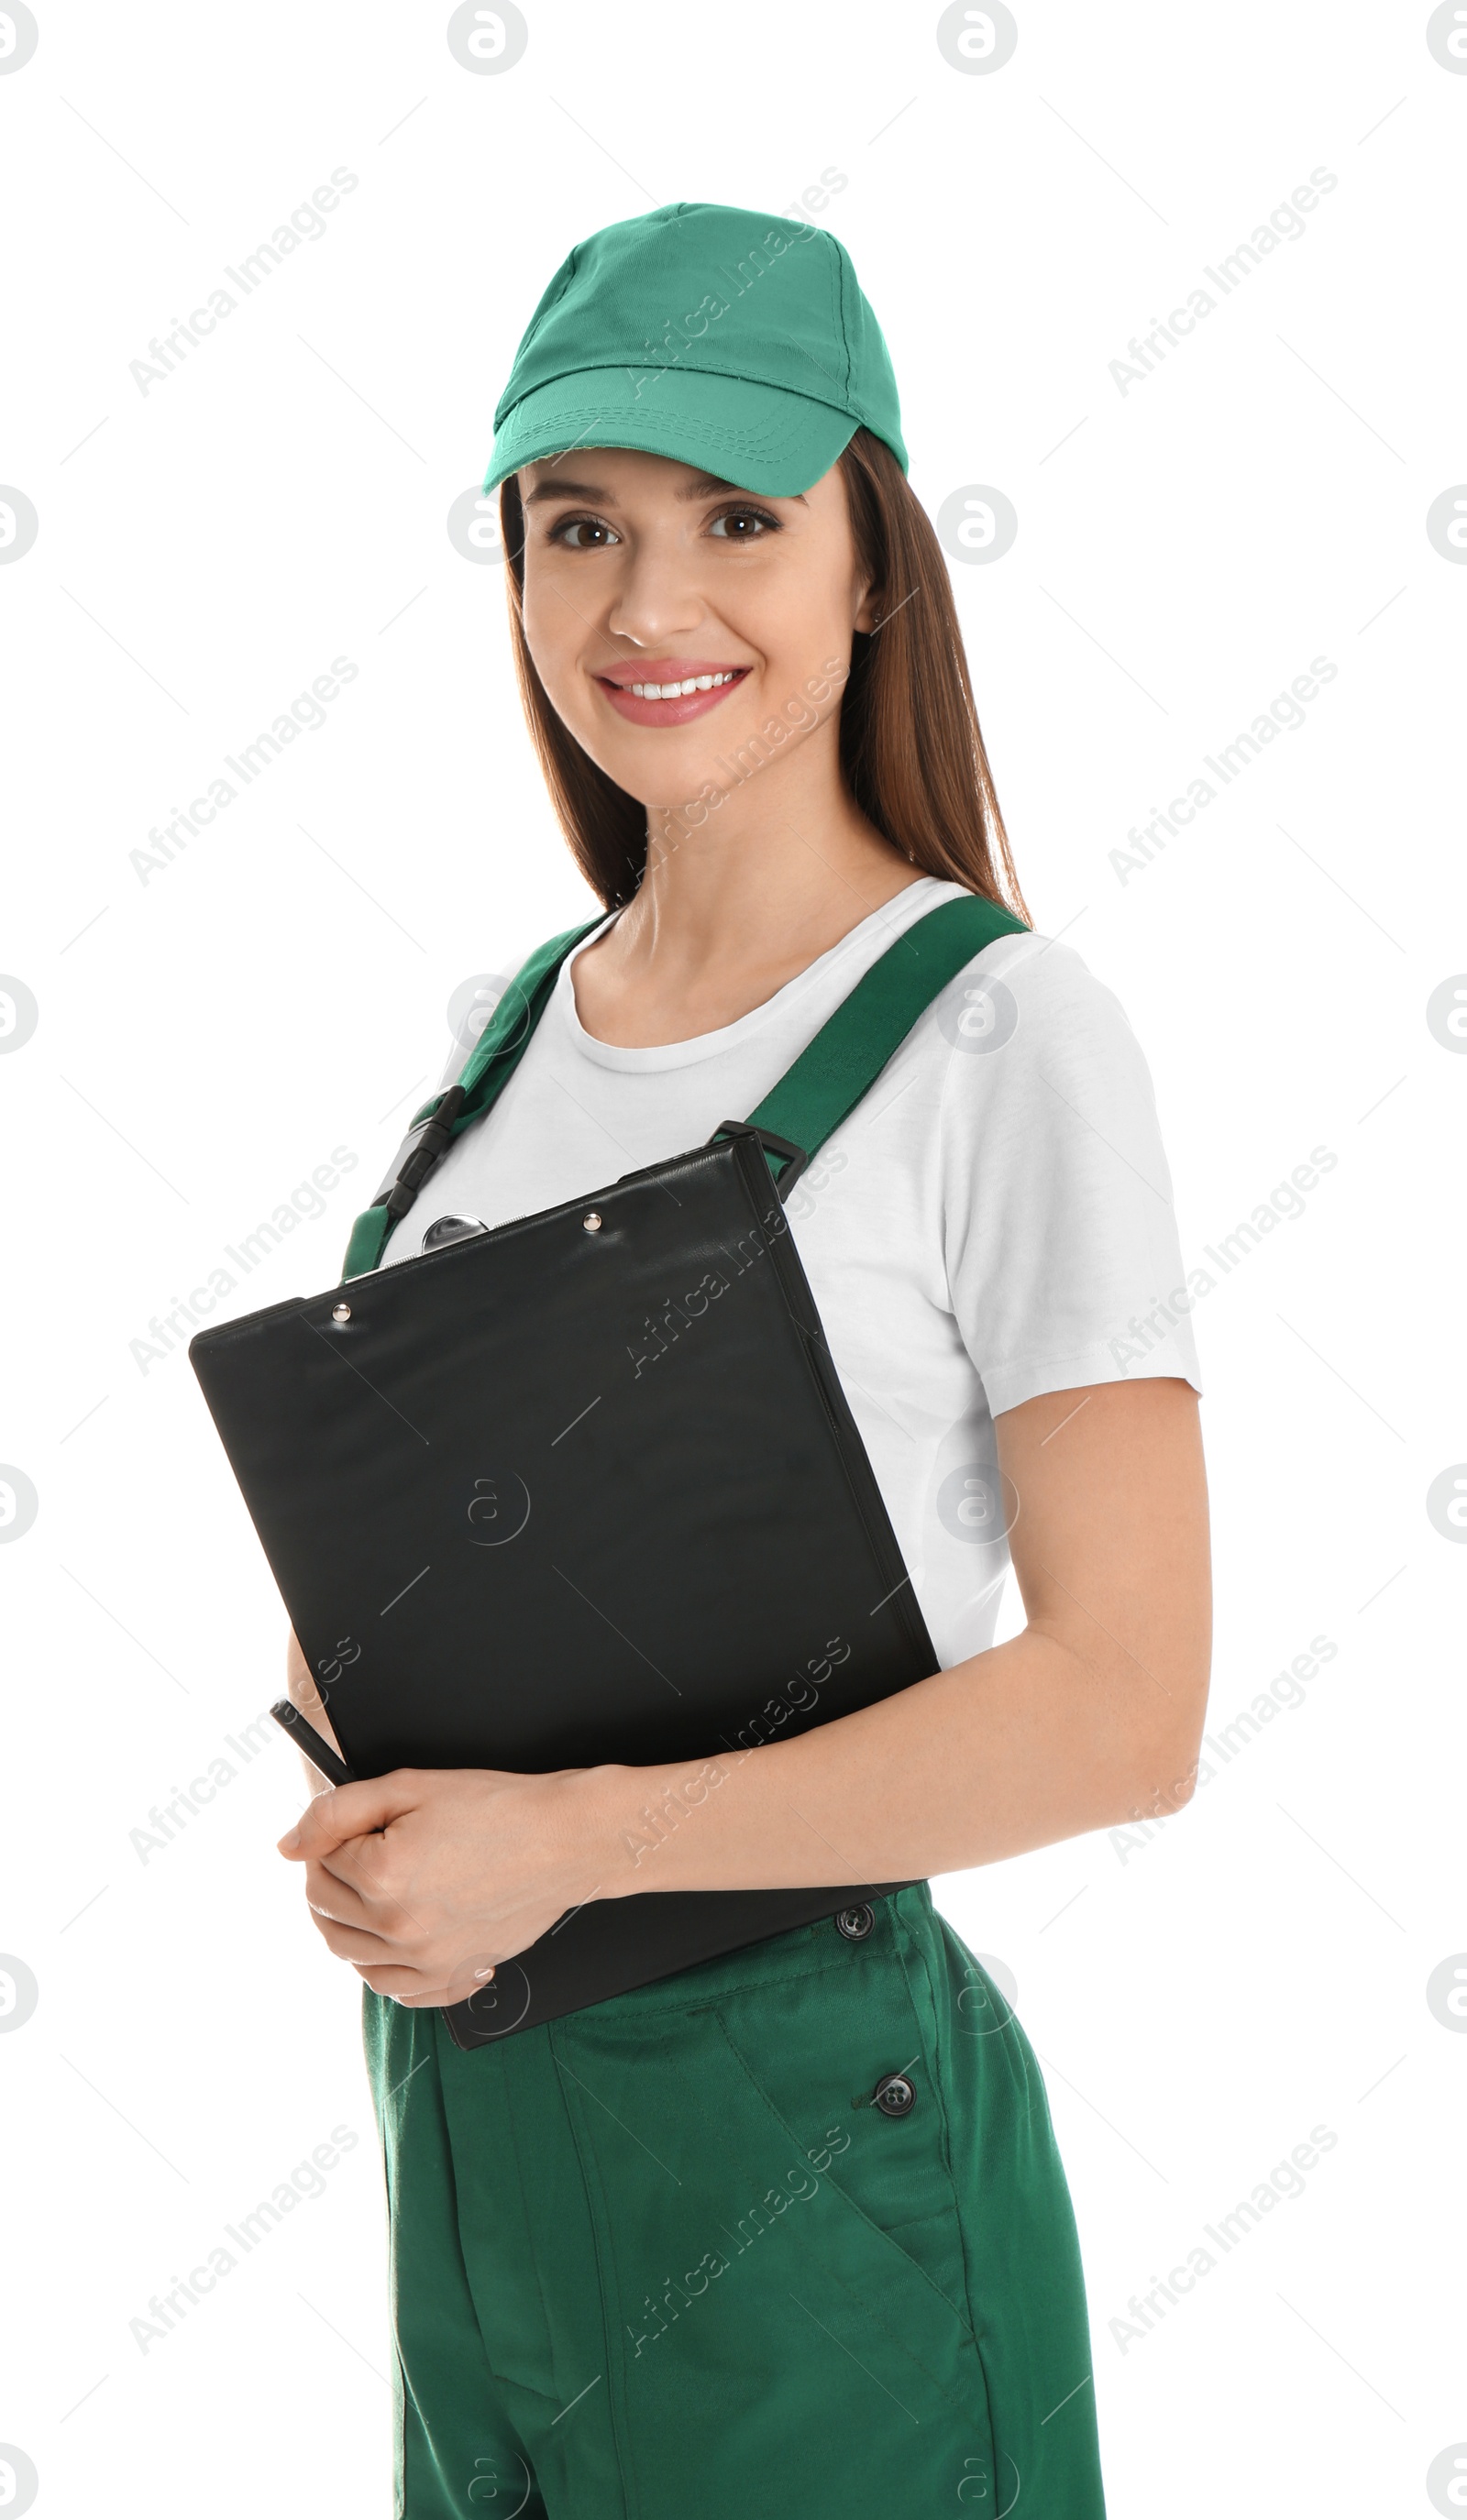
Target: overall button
[
  {"x": 895, "y": 2096},
  {"x": 855, "y": 1923}
]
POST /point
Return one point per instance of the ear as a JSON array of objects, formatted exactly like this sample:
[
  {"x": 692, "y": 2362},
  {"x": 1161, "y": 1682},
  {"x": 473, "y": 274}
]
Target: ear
[{"x": 868, "y": 610}]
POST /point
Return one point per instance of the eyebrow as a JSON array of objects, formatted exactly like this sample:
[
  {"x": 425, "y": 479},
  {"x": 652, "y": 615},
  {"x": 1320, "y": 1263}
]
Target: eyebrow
[{"x": 700, "y": 487}]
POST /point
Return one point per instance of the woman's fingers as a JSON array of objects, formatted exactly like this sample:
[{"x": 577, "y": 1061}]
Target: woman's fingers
[
  {"x": 382, "y": 1964},
  {"x": 419, "y": 1987},
  {"x": 407, "y": 1986},
  {"x": 351, "y": 1810},
  {"x": 384, "y": 1982},
  {"x": 390, "y": 1968},
  {"x": 365, "y": 1950},
  {"x": 331, "y": 1895}
]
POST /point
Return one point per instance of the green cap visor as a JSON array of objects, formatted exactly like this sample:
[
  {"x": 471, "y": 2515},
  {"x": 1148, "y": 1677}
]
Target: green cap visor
[{"x": 757, "y": 435}]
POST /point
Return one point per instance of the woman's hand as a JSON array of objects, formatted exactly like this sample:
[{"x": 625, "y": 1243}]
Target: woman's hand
[{"x": 426, "y": 1878}]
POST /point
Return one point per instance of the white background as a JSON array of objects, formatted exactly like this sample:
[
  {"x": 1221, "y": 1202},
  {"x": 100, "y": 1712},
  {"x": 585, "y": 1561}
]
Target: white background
[{"x": 206, "y": 1037}]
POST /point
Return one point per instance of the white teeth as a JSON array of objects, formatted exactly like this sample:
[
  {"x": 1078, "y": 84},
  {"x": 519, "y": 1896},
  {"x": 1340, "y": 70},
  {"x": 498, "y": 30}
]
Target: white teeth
[{"x": 678, "y": 690}]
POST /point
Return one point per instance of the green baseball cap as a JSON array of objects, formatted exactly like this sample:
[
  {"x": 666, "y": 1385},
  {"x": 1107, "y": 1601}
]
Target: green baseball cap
[{"x": 723, "y": 337}]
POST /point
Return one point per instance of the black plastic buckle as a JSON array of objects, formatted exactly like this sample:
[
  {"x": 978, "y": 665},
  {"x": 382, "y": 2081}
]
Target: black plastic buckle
[
  {"x": 432, "y": 1139},
  {"x": 794, "y": 1157}
]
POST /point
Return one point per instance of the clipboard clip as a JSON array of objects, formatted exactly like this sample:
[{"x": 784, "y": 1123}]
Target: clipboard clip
[{"x": 794, "y": 1160}]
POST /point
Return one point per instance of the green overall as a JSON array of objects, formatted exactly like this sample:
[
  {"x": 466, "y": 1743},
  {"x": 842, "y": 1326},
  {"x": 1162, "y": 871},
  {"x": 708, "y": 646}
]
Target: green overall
[{"x": 785, "y": 2236}]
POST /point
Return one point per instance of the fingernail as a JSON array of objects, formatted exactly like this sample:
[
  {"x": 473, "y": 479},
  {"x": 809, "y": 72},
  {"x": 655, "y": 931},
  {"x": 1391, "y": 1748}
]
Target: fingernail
[{"x": 292, "y": 1839}]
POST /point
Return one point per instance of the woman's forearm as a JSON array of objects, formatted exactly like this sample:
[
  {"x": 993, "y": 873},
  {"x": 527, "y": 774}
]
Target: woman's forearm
[{"x": 1018, "y": 1747}]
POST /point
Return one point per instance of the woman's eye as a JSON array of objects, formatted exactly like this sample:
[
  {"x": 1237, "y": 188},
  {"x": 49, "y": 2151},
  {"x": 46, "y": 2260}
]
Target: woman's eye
[
  {"x": 743, "y": 525},
  {"x": 582, "y": 533}
]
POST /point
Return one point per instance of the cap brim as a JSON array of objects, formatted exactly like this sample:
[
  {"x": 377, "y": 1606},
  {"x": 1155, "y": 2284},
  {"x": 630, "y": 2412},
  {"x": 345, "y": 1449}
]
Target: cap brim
[{"x": 755, "y": 435}]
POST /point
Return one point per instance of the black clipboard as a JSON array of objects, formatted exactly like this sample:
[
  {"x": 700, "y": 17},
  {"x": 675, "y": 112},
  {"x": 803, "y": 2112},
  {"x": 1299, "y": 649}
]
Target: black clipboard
[{"x": 582, "y": 1488}]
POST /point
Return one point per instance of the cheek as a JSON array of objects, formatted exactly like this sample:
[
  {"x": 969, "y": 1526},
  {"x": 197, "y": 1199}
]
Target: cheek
[
  {"x": 806, "y": 629},
  {"x": 554, "y": 634}
]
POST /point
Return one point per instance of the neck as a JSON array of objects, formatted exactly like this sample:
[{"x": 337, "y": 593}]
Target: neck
[{"x": 783, "y": 866}]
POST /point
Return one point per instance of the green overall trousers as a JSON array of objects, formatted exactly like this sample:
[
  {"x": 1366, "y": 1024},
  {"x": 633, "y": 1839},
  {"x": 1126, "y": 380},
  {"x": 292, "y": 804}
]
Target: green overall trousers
[
  {"x": 670, "y": 2258},
  {"x": 785, "y": 2236}
]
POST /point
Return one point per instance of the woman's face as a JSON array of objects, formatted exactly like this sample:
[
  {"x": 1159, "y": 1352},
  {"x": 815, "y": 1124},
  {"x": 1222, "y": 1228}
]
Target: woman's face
[{"x": 642, "y": 571}]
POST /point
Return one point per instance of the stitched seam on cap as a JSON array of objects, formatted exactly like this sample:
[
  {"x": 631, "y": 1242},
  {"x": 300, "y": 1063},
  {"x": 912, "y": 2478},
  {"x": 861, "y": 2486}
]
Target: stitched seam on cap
[
  {"x": 706, "y": 432},
  {"x": 834, "y": 400},
  {"x": 839, "y": 291}
]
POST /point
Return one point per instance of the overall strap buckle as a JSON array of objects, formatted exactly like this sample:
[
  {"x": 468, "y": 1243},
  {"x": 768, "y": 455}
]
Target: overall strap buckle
[
  {"x": 793, "y": 1158},
  {"x": 427, "y": 1147}
]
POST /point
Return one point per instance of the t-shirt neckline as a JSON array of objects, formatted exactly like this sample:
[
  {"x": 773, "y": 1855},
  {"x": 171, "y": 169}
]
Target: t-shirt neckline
[{"x": 661, "y": 1056}]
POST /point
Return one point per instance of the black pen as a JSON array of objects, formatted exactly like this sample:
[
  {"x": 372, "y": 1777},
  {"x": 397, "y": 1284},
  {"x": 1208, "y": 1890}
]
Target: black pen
[{"x": 306, "y": 1737}]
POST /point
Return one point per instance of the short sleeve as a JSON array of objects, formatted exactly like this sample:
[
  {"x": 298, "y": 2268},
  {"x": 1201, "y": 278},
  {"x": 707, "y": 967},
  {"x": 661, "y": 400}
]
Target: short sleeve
[{"x": 1062, "y": 1256}]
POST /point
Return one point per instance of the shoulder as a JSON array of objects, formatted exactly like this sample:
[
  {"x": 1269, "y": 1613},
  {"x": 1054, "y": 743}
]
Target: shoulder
[
  {"x": 1028, "y": 1005},
  {"x": 1044, "y": 1090},
  {"x": 1058, "y": 1227}
]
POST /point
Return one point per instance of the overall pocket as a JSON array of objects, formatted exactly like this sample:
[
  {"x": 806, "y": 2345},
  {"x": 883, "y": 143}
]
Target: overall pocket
[
  {"x": 788, "y": 2339},
  {"x": 843, "y": 2061}
]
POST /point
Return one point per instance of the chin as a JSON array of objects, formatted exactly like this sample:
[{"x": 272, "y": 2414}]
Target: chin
[{"x": 665, "y": 779}]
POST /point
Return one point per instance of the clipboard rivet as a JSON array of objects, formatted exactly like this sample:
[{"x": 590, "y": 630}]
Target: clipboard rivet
[
  {"x": 341, "y": 1312},
  {"x": 591, "y": 1224}
]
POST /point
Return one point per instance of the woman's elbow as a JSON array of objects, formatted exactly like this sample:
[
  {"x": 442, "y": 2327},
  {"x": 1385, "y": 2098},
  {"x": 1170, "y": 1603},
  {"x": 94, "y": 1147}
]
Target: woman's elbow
[{"x": 1161, "y": 1768}]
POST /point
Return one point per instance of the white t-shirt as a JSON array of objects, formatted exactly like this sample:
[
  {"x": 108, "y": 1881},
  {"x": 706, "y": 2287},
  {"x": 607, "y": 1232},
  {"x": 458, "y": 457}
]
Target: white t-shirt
[{"x": 991, "y": 1221}]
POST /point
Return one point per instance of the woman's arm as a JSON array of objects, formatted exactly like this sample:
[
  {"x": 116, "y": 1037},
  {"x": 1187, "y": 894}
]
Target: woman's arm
[{"x": 1091, "y": 1716}]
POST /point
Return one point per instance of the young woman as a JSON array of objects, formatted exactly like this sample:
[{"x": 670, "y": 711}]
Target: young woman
[{"x": 787, "y": 2233}]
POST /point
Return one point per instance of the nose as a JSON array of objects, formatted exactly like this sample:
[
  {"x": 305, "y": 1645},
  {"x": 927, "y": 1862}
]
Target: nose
[{"x": 657, "y": 599}]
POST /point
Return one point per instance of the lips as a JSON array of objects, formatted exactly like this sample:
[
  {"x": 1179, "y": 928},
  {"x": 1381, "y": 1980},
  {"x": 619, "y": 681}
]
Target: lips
[{"x": 685, "y": 688}]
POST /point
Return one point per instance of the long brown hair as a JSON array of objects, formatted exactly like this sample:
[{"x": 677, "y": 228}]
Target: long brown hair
[{"x": 912, "y": 752}]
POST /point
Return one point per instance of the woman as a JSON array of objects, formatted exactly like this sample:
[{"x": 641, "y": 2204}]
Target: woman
[{"x": 787, "y": 2233}]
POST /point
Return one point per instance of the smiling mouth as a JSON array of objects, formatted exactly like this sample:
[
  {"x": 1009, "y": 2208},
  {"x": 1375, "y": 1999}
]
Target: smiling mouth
[
  {"x": 672, "y": 698},
  {"x": 680, "y": 691}
]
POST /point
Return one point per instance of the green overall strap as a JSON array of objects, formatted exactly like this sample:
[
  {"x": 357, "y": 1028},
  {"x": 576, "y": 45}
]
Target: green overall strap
[
  {"x": 849, "y": 1052},
  {"x": 490, "y": 1064},
  {"x": 809, "y": 1103}
]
